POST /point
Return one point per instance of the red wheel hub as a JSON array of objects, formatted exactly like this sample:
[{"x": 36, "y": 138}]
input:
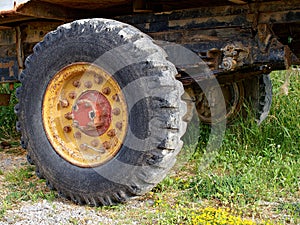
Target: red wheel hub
[{"x": 92, "y": 113}]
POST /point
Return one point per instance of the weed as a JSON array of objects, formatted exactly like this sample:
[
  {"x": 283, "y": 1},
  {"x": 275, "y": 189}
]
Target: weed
[
  {"x": 7, "y": 116},
  {"x": 24, "y": 186},
  {"x": 255, "y": 163}
]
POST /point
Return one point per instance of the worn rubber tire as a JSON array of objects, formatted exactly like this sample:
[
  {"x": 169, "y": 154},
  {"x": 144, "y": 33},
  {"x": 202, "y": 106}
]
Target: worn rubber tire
[
  {"x": 157, "y": 117},
  {"x": 265, "y": 98},
  {"x": 259, "y": 94}
]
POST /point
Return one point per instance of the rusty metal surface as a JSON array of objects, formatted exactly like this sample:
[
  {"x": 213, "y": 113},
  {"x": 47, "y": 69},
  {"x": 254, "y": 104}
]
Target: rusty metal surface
[
  {"x": 260, "y": 32},
  {"x": 4, "y": 99},
  {"x": 20, "y": 10},
  {"x": 8, "y": 69},
  {"x": 85, "y": 115}
]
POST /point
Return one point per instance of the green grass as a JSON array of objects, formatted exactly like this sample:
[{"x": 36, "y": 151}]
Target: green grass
[
  {"x": 23, "y": 185},
  {"x": 255, "y": 165},
  {"x": 254, "y": 178},
  {"x": 7, "y": 116}
]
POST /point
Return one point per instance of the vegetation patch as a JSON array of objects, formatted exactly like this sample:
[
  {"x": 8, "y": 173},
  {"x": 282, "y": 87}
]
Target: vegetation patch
[{"x": 253, "y": 178}]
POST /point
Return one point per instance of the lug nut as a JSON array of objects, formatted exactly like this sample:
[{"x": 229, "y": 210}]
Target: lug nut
[
  {"x": 116, "y": 111},
  {"x": 111, "y": 133},
  {"x": 88, "y": 84},
  {"x": 95, "y": 143},
  {"x": 119, "y": 125},
  {"x": 67, "y": 129},
  {"x": 69, "y": 116},
  {"x": 76, "y": 83},
  {"x": 116, "y": 98},
  {"x": 72, "y": 95},
  {"x": 83, "y": 147},
  {"x": 106, "y": 91},
  {"x": 98, "y": 80},
  {"x": 64, "y": 103},
  {"x": 77, "y": 135},
  {"x": 106, "y": 145}
]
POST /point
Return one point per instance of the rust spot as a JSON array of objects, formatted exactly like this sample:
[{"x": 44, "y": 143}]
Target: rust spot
[
  {"x": 64, "y": 103},
  {"x": 76, "y": 83},
  {"x": 69, "y": 116},
  {"x": 106, "y": 145},
  {"x": 67, "y": 129},
  {"x": 72, "y": 95},
  {"x": 111, "y": 133},
  {"x": 116, "y": 97},
  {"x": 106, "y": 91}
]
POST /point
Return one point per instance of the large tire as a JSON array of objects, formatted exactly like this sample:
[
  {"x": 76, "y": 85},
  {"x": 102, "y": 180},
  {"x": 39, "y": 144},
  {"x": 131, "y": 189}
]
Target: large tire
[{"x": 153, "y": 99}]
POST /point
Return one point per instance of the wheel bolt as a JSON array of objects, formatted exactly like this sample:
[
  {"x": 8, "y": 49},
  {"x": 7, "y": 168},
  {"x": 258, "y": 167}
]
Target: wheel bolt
[
  {"x": 64, "y": 103},
  {"x": 77, "y": 135},
  {"x": 106, "y": 145},
  {"x": 72, "y": 95},
  {"x": 69, "y": 116},
  {"x": 88, "y": 84},
  {"x": 98, "y": 80},
  {"x": 83, "y": 147},
  {"x": 116, "y": 111},
  {"x": 95, "y": 143},
  {"x": 106, "y": 91},
  {"x": 76, "y": 83},
  {"x": 111, "y": 133},
  {"x": 119, "y": 125},
  {"x": 116, "y": 98},
  {"x": 67, "y": 129}
]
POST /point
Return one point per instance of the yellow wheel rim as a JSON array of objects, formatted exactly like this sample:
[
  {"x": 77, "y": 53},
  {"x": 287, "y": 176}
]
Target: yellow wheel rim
[{"x": 85, "y": 115}]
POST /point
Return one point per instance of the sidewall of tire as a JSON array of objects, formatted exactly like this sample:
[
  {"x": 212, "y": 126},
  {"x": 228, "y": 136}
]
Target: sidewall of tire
[{"x": 48, "y": 59}]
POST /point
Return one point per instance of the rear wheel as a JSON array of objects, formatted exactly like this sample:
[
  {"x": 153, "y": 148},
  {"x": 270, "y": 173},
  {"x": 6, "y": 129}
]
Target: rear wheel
[
  {"x": 232, "y": 93},
  {"x": 259, "y": 96},
  {"x": 100, "y": 111},
  {"x": 253, "y": 94}
]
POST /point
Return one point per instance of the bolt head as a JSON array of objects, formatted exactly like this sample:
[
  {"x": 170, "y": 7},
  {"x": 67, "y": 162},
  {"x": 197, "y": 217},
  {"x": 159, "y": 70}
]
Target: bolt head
[
  {"x": 116, "y": 111},
  {"x": 88, "y": 84},
  {"x": 95, "y": 143},
  {"x": 83, "y": 147},
  {"x": 64, "y": 103},
  {"x": 98, "y": 79},
  {"x": 116, "y": 97},
  {"x": 77, "y": 135},
  {"x": 106, "y": 91},
  {"x": 76, "y": 83},
  {"x": 111, "y": 133},
  {"x": 67, "y": 129},
  {"x": 72, "y": 95},
  {"x": 69, "y": 116},
  {"x": 106, "y": 145},
  {"x": 119, "y": 125}
]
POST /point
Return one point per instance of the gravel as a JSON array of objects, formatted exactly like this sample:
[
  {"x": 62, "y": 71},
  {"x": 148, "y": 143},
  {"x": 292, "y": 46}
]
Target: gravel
[
  {"x": 50, "y": 213},
  {"x": 43, "y": 212}
]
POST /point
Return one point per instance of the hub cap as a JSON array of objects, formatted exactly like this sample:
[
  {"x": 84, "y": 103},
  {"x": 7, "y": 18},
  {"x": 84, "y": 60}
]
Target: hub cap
[{"x": 85, "y": 115}]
